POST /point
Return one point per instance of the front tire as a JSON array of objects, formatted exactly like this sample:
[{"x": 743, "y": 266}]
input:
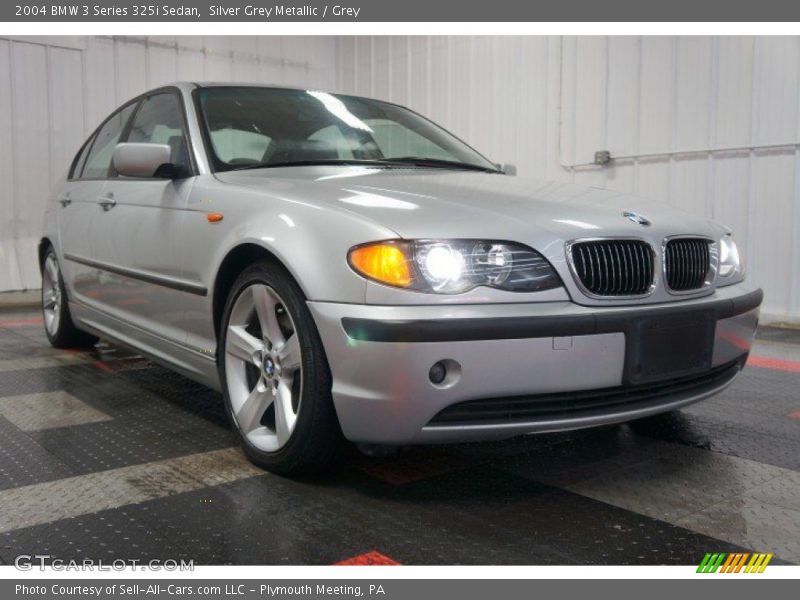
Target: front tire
[
  {"x": 58, "y": 324},
  {"x": 274, "y": 374}
]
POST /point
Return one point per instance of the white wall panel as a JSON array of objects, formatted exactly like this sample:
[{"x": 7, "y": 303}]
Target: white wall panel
[
  {"x": 130, "y": 64},
  {"x": 362, "y": 65},
  {"x": 623, "y": 95},
  {"x": 771, "y": 224},
  {"x": 10, "y": 277},
  {"x": 382, "y": 73},
  {"x": 191, "y": 59},
  {"x": 346, "y": 61},
  {"x": 31, "y": 148},
  {"x": 99, "y": 81},
  {"x": 680, "y": 113},
  {"x": 55, "y": 90},
  {"x": 270, "y": 66},
  {"x": 295, "y": 52},
  {"x": 733, "y": 101},
  {"x": 161, "y": 62},
  {"x": 775, "y": 90},
  {"x": 418, "y": 66},
  {"x": 657, "y": 94},
  {"x": 693, "y": 81},
  {"x": 65, "y": 83},
  {"x": 218, "y": 64},
  {"x": 731, "y": 188},
  {"x": 399, "y": 66}
]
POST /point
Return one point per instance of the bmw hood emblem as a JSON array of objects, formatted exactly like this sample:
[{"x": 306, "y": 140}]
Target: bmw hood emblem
[{"x": 637, "y": 218}]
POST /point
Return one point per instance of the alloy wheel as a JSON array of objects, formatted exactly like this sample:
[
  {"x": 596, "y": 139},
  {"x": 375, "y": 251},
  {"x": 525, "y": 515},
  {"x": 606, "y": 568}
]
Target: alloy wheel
[
  {"x": 263, "y": 368},
  {"x": 51, "y": 295}
]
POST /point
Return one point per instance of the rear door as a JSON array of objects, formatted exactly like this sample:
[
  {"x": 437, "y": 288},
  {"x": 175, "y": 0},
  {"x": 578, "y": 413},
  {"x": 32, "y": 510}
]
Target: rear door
[
  {"x": 138, "y": 227},
  {"x": 78, "y": 209}
]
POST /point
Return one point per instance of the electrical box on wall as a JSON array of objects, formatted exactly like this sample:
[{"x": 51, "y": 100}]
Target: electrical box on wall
[{"x": 602, "y": 157}]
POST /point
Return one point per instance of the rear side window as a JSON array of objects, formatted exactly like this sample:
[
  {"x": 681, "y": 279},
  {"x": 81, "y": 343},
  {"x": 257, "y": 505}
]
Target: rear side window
[
  {"x": 98, "y": 160},
  {"x": 159, "y": 120}
]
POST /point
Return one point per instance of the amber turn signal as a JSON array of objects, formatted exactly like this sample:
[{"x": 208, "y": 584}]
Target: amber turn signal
[
  {"x": 214, "y": 217},
  {"x": 382, "y": 261}
]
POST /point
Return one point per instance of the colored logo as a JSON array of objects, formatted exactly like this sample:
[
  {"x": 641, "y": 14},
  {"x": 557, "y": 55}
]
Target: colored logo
[
  {"x": 737, "y": 562},
  {"x": 637, "y": 218}
]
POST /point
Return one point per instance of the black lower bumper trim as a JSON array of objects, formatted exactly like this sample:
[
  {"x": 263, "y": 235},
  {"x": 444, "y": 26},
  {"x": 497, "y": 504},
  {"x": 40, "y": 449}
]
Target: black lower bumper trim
[
  {"x": 514, "y": 328},
  {"x": 585, "y": 403}
]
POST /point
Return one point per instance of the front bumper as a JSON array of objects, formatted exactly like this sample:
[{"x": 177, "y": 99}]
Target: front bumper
[{"x": 380, "y": 359}]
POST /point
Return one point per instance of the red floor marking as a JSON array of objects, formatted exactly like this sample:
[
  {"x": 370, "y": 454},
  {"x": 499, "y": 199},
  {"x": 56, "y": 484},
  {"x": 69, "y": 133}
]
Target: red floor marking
[
  {"x": 27, "y": 322},
  {"x": 103, "y": 366},
  {"x": 735, "y": 340},
  {"x": 794, "y": 415},
  {"x": 370, "y": 558},
  {"x": 780, "y": 364}
]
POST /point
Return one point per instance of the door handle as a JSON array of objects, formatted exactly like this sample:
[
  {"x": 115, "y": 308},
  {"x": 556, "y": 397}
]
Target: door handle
[
  {"x": 65, "y": 200},
  {"x": 107, "y": 202}
]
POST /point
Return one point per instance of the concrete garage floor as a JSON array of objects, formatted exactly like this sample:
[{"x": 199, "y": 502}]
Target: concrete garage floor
[{"x": 105, "y": 455}]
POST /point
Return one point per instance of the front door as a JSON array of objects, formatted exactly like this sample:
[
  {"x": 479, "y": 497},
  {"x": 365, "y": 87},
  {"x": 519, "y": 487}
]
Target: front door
[{"x": 137, "y": 233}]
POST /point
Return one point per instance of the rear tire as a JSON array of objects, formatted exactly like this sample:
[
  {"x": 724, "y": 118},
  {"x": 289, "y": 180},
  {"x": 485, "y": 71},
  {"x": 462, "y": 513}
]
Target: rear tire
[
  {"x": 58, "y": 324},
  {"x": 275, "y": 378}
]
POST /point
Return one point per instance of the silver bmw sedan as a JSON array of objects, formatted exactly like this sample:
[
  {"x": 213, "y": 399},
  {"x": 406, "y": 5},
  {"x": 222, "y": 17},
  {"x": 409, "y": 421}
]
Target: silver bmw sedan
[{"x": 340, "y": 267}]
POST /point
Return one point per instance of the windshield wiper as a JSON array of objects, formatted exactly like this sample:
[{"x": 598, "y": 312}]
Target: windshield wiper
[
  {"x": 385, "y": 163},
  {"x": 313, "y": 163},
  {"x": 439, "y": 163}
]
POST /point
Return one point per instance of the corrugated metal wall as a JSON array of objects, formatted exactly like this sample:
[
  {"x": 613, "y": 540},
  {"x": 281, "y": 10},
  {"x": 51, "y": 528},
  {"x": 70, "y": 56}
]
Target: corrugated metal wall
[
  {"x": 708, "y": 124},
  {"x": 55, "y": 90}
]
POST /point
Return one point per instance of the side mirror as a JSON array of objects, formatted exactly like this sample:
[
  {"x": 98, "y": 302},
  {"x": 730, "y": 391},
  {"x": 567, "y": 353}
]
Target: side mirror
[
  {"x": 509, "y": 169},
  {"x": 143, "y": 160}
]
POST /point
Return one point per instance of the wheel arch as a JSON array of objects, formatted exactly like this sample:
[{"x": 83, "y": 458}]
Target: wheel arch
[
  {"x": 44, "y": 244},
  {"x": 235, "y": 261}
]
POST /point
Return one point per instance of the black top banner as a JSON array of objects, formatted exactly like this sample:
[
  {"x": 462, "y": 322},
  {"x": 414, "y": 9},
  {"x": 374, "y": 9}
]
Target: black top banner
[{"x": 400, "y": 11}]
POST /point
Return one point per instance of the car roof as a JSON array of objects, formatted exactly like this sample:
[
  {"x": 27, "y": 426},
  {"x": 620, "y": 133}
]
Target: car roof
[
  {"x": 250, "y": 84},
  {"x": 208, "y": 84}
]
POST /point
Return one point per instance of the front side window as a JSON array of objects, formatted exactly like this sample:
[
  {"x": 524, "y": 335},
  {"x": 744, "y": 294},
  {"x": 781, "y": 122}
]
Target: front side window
[
  {"x": 249, "y": 127},
  {"x": 80, "y": 159},
  {"x": 159, "y": 120},
  {"x": 98, "y": 160}
]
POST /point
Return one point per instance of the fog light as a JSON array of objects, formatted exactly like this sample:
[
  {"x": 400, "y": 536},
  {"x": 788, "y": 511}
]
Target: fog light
[{"x": 437, "y": 373}]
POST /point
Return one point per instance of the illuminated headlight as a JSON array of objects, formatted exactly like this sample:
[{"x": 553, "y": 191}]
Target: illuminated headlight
[
  {"x": 454, "y": 266},
  {"x": 730, "y": 263},
  {"x": 441, "y": 265}
]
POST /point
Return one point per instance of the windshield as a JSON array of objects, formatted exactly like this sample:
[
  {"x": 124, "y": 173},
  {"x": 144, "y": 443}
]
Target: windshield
[{"x": 249, "y": 127}]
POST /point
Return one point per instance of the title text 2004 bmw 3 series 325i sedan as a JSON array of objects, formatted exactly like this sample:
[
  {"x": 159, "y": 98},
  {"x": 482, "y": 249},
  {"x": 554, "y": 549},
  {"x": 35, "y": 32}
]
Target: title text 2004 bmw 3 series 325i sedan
[{"x": 342, "y": 266}]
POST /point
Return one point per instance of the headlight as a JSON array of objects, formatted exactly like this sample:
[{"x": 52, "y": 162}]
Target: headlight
[
  {"x": 730, "y": 263},
  {"x": 454, "y": 266}
]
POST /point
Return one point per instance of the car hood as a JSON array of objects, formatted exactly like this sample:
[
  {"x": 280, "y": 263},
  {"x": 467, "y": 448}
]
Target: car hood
[{"x": 435, "y": 203}]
